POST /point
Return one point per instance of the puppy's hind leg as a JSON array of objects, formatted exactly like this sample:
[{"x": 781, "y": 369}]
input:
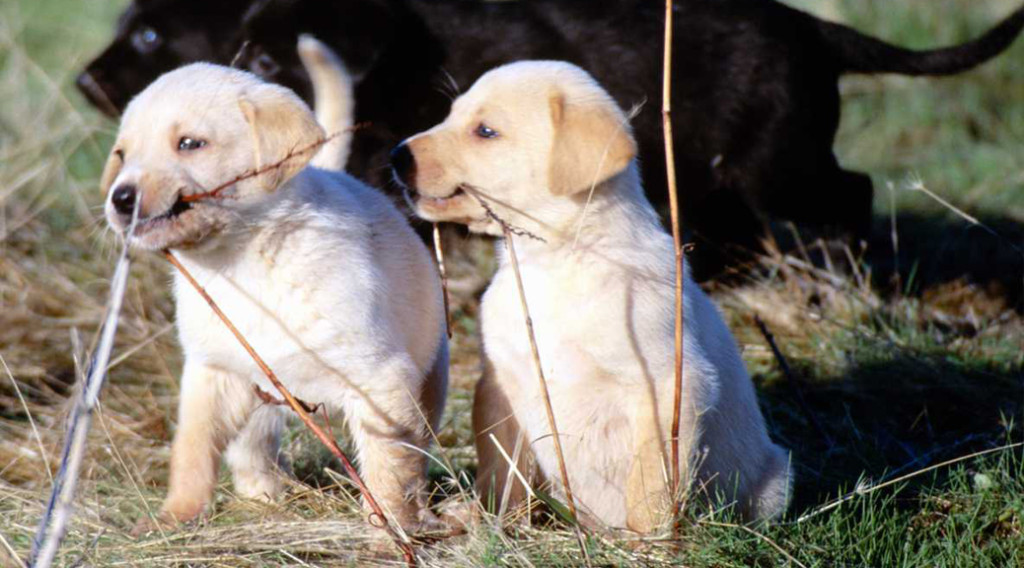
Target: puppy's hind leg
[
  {"x": 770, "y": 497},
  {"x": 254, "y": 456},
  {"x": 388, "y": 427}
]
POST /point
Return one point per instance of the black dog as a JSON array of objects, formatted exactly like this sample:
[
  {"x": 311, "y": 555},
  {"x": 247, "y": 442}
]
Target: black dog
[{"x": 755, "y": 102}]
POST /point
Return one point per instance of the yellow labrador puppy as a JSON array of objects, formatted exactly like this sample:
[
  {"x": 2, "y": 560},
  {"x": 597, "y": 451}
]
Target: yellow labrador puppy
[
  {"x": 542, "y": 147},
  {"x": 321, "y": 273}
]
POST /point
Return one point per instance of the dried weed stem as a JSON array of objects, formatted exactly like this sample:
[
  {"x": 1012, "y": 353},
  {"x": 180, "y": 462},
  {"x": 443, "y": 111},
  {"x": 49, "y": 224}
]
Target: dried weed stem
[
  {"x": 867, "y": 489},
  {"x": 443, "y": 271},
  {"x": 787, "y": 371},
  {"x": 539, "y": 369},
  {"x": 59, "y": 510},
  {"x": 377, "y": 517},
  {"x": 673, "y": 197}
]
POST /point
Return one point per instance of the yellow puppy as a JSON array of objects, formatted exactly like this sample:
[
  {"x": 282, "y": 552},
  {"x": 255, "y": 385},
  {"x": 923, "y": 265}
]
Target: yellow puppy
[
  {"x": 321, "y": 273},
  {"x": 543, "y": 147}
]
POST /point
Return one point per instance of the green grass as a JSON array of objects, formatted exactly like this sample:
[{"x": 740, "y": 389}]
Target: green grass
[
  {"x": 964, "y": 134},
  {"x": 900, "y": 364}
]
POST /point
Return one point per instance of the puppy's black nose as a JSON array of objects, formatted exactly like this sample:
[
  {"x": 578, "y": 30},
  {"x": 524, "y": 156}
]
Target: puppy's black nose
[
  {"x": 123, "y": 199},
  {"x": 403, "y": 164}
]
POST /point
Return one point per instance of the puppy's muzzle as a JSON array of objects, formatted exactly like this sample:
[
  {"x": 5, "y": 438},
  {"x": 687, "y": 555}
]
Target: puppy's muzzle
[{"x": 403, "y": 164}]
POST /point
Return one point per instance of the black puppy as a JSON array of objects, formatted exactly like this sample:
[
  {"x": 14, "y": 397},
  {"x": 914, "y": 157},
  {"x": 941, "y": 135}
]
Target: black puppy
[
  {"x": 755, "y": 94},
  {"x": 155, "y": 36}
]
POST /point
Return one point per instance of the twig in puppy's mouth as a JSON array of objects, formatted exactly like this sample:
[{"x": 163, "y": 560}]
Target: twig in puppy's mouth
[
  {"x": 294, "y": 153},
  {"x": 505, "y": 225},
  {"x": 546, "y": 397},
  {"x": 443, "y": 272},
  {"x": 180, "y": 206}
]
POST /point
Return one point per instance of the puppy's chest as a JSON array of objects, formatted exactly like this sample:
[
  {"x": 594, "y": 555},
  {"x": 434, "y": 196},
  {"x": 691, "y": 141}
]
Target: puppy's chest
[
  {"x": 563, "y": 318},
  {"x": 280, "y": 313}
]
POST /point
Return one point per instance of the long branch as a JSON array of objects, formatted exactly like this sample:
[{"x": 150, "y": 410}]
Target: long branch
[
  {"x": 377, "y": 518},
  {"x": 539, "y": 369},
  {"x": 670, "y": 168},
  {"x": 295, "y": 152}
]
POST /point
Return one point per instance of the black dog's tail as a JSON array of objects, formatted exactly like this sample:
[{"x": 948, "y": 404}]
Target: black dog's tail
[{"x": 858, "y": 53}]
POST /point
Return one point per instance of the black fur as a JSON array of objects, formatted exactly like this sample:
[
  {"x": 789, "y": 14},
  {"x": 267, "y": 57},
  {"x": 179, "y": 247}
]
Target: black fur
[
  {"x": 755, "y": 103},
  {"x": 186, "y": 31}
]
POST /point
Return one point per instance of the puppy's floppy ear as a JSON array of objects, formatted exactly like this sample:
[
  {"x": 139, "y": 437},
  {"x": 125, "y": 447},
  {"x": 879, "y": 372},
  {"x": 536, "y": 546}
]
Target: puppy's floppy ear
[
  {"x": 284, "y": 132},
  {"x": 110, "y": 170},
  {"x": 592, "y": 142}
]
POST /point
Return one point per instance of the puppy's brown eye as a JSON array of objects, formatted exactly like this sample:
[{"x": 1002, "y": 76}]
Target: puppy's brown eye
[
  {"x": 120, "y": 154},
  {"x": 189, "y": 143},
  {"x": 484, "y": 131}
]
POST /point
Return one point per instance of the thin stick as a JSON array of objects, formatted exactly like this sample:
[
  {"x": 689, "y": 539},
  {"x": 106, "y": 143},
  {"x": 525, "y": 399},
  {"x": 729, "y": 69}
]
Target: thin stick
[
  {"x": 53, "y": 525},
  {"x": 873, "y": 488},
  {"x": 376, "y": 518},
  {"x": 238, "y": 55},
  {"x": 673, "y": 199},
  {"x": 294, "y": 153},
  {"x": 11, "y": 552},
  {"x": 918, "y": 185},
  {"x": 31, "y": 421},
  {"x": 539, "y": 369},
  {"x": 513, "y": 468},
  {"x": 443, "y": 270},
  {"x": 894, "y": 236},
  {"x": 792, "y": 380},
  {"x": 760, "y": 536}
]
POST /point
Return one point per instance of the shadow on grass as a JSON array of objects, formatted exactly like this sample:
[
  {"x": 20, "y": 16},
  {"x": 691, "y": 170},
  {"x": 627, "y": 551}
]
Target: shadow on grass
[
  {"x": 935, "y": 251},
  {"x": 889, "y": 414},
  {"x": 930, "y": 252}
]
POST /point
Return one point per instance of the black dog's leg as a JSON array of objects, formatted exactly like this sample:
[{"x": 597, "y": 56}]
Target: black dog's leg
[
  {"x": 827, "y": 197},
  {"x": 727, "y": 232}
]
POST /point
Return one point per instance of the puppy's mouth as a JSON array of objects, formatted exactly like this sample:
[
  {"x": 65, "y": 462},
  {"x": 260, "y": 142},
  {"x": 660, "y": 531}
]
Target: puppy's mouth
[
  {"x": 176, "y": 210},
  {"x": 416, "y": 199}
]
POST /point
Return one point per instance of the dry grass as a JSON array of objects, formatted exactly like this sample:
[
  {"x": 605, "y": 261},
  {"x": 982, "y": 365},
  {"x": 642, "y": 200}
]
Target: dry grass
[{"x": 903, "y": 364}]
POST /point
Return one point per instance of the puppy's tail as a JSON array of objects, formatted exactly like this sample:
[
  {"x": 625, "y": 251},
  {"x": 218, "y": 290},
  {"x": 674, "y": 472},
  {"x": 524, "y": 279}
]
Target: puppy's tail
[
  {"x": 857, "y": 53},
  {"x": 334, "y": 101}
]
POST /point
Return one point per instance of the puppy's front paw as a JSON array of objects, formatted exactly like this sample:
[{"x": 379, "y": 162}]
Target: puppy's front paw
[
  {"x": 428, "y": 525},
  {"x": 422, "y": 523},
  {"x": 258, "y": 485},
  {"x": 172, "y": 514},
  {"x": 163, "y": 521},
  {"x": 460, "y": 515}
]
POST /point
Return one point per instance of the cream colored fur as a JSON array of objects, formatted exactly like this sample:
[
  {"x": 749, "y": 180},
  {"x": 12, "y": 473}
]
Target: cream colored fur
[
  {"x": 319, "y": 272},
  {"x": 600, "y": 288}
]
